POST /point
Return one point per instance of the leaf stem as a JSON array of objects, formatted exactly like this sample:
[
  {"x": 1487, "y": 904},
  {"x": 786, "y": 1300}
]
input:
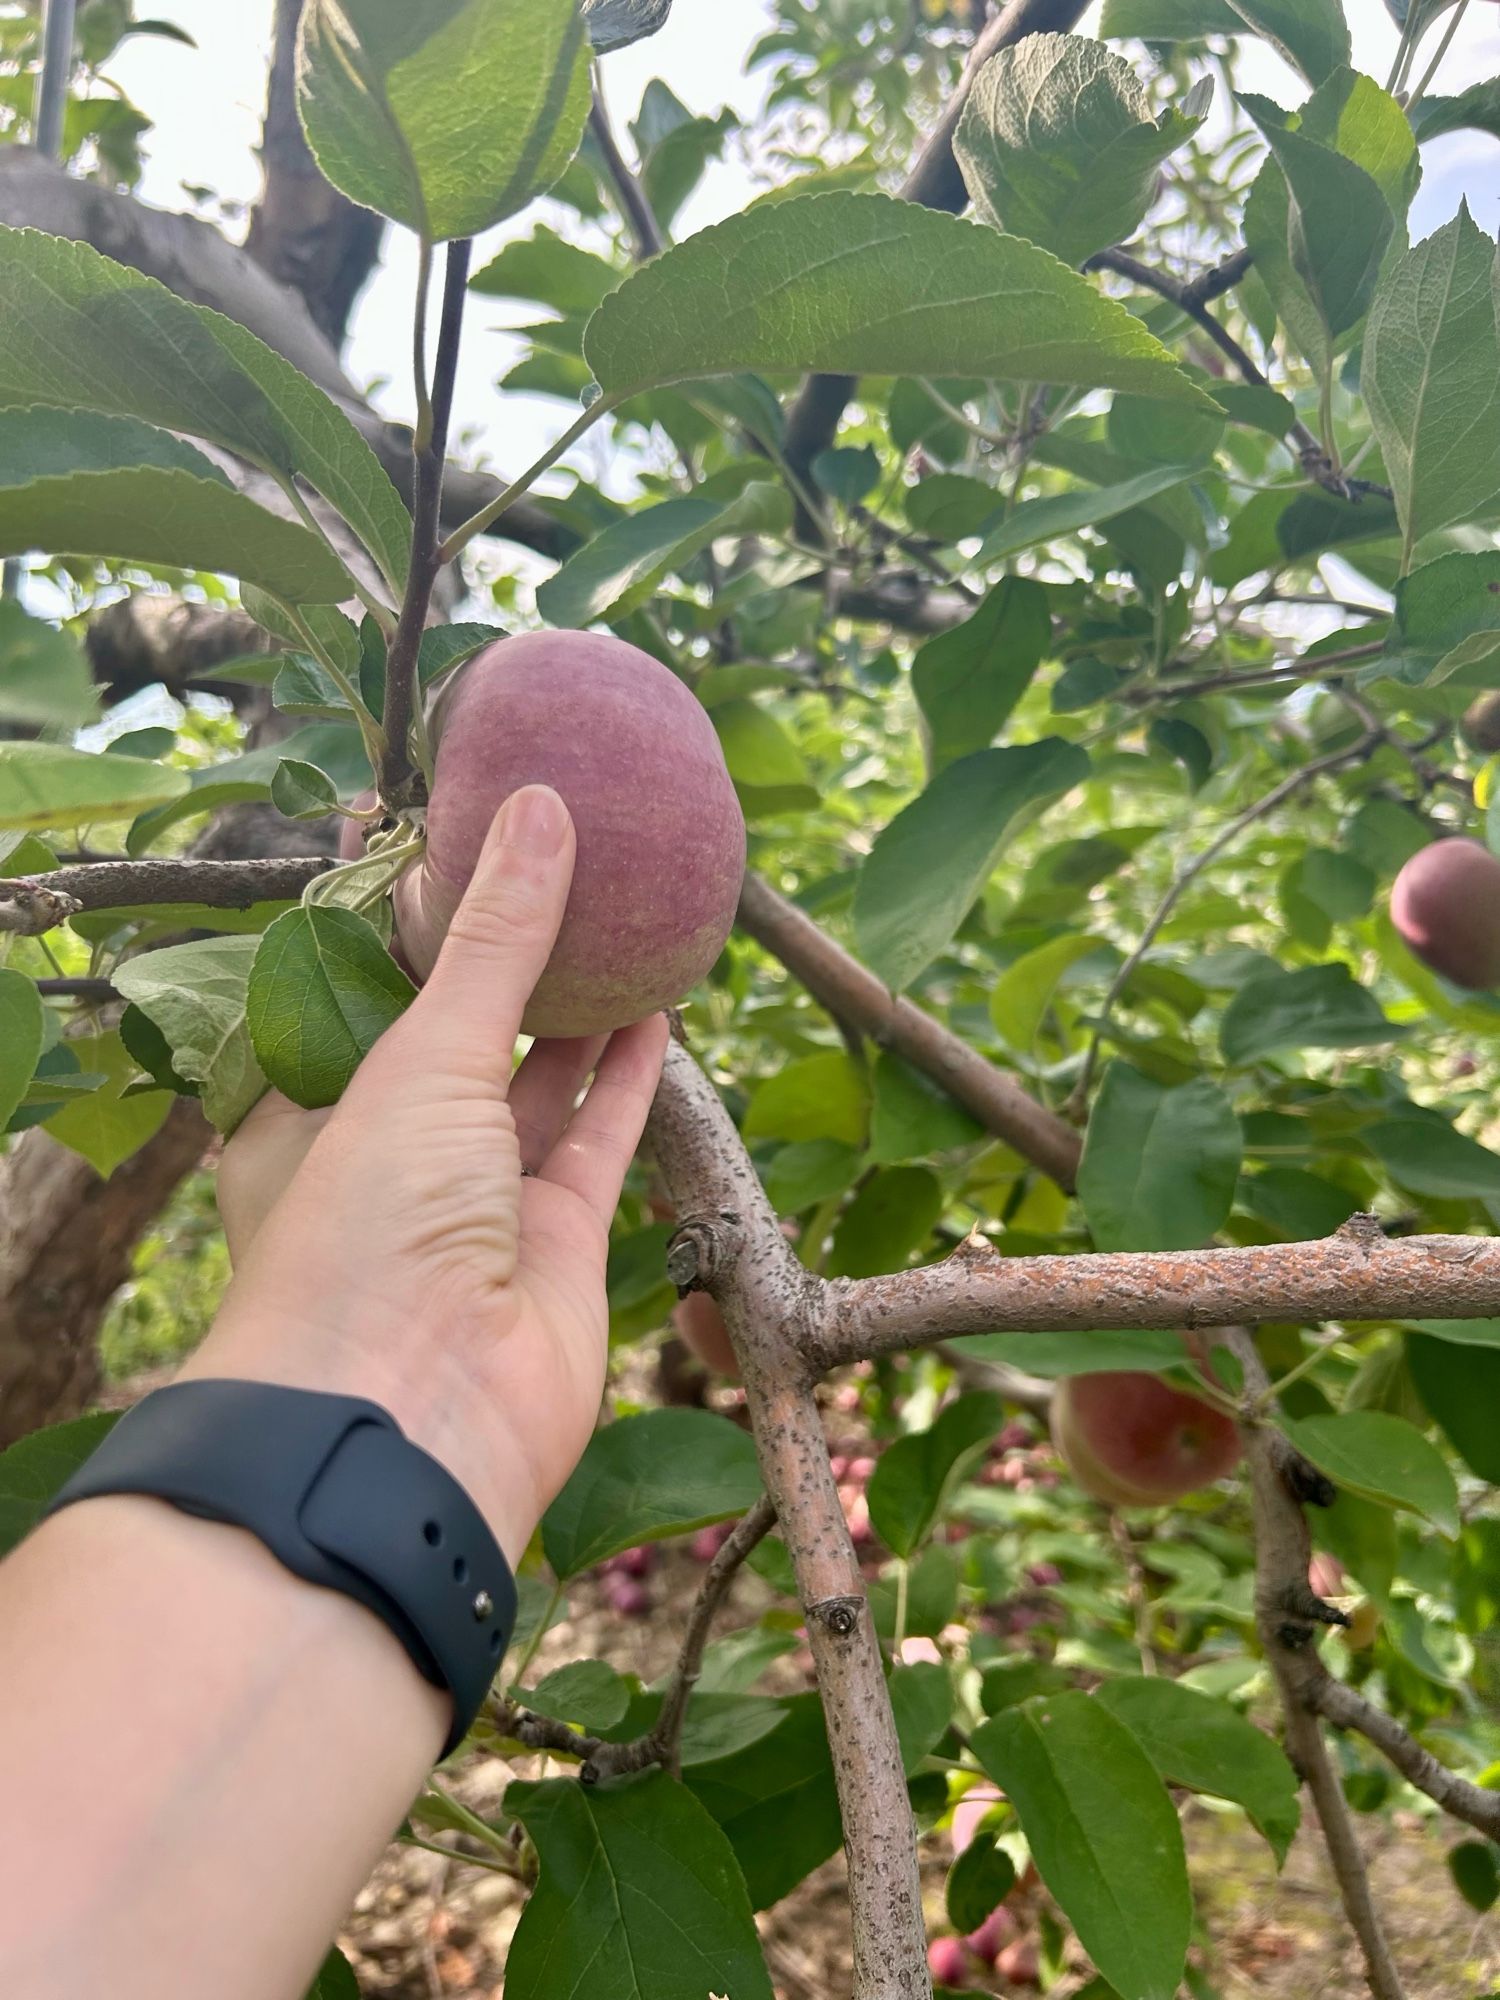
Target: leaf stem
[
  {"x": 370, "y": 730},
  {"x": 1442, "y": 49},
  {"x": 491, "y": 512},
  {"x": 421, "y": 435},
  {"x": 378, "y": 609}
]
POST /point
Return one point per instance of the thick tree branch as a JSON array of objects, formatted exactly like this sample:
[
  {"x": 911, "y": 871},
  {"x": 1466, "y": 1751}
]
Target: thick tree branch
[
  {"x": 30, "y": 905},
  {"x": 141, "y": 641},
  {"x": 854, "y": 994},
  {"x": 731, "y": 1244},
  {"x": 1288, "y": 1615},
  {"x": 934, "y": 182},
  {"x": 1356, "y": 1274},
  {"x": 1346, "y": 1708}
]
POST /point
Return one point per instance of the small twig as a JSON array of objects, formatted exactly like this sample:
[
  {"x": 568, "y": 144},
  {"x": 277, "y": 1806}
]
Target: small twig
[
  {"x": 401, "y": 783},
  {"x": 94, "y": 991},
  {"x": 1281, "y": 673},
  {"x": 1137, "y": 1595},
  {"x": 1185, "y": 879},
  {"x": 1346, "y": 1708},
  {"x": 1442, "y": 49},
  {"x": 634, "y": 206},
  {"x": 30, "y": 905}
]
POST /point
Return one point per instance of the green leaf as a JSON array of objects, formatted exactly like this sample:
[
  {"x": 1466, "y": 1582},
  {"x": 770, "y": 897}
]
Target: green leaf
[
  {"x": 1204, "y": 1744},
  {"x": 32, "y": 1471},
  {"x": 1460, "y": 1388},
  {"x": 809, "y": 1171},
  {"x": 1037, "y": 521},
  {"x": 892, "y": 1215},
  {"x": 1168, "y": 20},
  {"x": 928, "y": 866},
  {"x": 1315, "y": 1007},
  {"x": 301, "y": 791},
  {"x": 1103, "y": 1834},
  {"x": 1159, "y": 1166},
  {"x": 448, "y": 117},
  {"x": 335, "y": 1980},
  {"x": 978, "y": 1882},
  {"x": 1141, "y": 430},
  {"x": 914, "y": 1476},
  {"x": 616, "y": 24},
  {"x": 84, "y": 333},
  {"x": 642, "y": 1478},
  {"x": 1058, "y": 142},
  {"x": 106, "y": 1126},
  {"x": 1381, "y": 1457},
  {"x": 77, "y": 484},
  {"x": 545, "y": 268},
  {"x": 674, "y": 147},
  {"x": 1477, "y": 109},
  {"x": 323, "y": 990},
  {"x": 1461, "y": 1332},
  {"x": 22, "y": 1031},
  {"x": 1442, "y": 610},
  {"x": 1054, "y": 1355},
  {"x": 1021, "y": 996},
  {"x": 1475, "y": 1868},
  {"x": 1430, "y": 1158},
  {"x": 1430, "y": 376},
  {"x": 914, "y": 1117},
  {"x": 861, "y": 284},
  {"x": 818, "y": 1097},
  {"x": 968, "y": 680},
  {"x": 640, "y": 1897},
  {"x": 588, "y": 1693},
  {"x": 195, "y": 993},
  {"x": 615, "y": 572},
  {"x": 1312, "y": 35},
  {"x": 769, "y": 771},
  {"x": 45, "y": 677}
]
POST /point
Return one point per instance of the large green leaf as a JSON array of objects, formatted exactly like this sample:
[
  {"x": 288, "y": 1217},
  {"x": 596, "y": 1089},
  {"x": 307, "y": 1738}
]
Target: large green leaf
[
  {"x": 1431, "y": 378},
  {"x": 1315, "y": 1007},
  {"x": 616, "y": 571},
  {"x": 195, "y": 993},
  {"x": 861, "y": 284},
  {"x": 1429, "y": 1157},
  {"x": 824, "y": 1096},
  {"x": 892, "y": 1215},
  {"x": 662, "y": 1473},
  {"x": 1103, "y": 1833},
  {"x": 1477, "y": 108},
  {"x": 323, "y": 990},
  {"x": 640, "y": 1897},
  {"x": 78, "y": 484},
  {"x": 1206, "y": 1745},
  {"x": 32, "y": 1471},
  {"x": 79, "y": 331},
  {"x": 929, "y": 864},
  {"x": 546, "y": 268},
  {"x": 1159, "y": 1165},
  {"x": 1381, "y": 1457},
  {"x": 1036, "y": 521},
  {"x": 49, "y": 784},
  {"x": 912, "y": 1476},
  {"x": 1460, "y": 1387},
  {"x": 1058, "y": 142},
  {"x": 105, "y": 1126},
  {"x": 1312, "y": 34},
  {"x": 22, "y": 1027},
  {"x": 1168, "y": 20},
  {"x": 447, "y": 117},
  {"x": 912, "y": 1115},
  {"x": 1447, "y": 621},
  {"x": 967, "y": 680},
  {"x": 45, "y": 678}
]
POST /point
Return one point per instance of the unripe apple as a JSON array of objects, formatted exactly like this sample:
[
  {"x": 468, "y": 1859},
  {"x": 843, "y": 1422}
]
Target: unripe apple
[
  {"x": 1481, "y": 723},
  {"x": 1446, "y": 907},
  {"x": 1133, "y": 1440},
  {"x": 950, "y": 1964},
  {"x": 698, "y": 1319},
  {"x": 661, "y": 839}
]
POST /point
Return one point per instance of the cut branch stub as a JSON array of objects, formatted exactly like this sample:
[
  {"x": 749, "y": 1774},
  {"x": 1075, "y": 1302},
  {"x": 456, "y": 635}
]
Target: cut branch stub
[{"x": 700, "y": 1249}]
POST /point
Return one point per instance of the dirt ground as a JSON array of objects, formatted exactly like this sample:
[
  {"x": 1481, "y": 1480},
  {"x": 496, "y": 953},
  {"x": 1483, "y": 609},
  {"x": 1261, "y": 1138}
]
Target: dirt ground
[{"x": 429, "y": 1929}]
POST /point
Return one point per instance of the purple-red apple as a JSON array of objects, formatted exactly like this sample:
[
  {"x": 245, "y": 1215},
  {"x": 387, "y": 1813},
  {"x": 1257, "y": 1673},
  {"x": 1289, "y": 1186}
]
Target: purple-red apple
[
  {"x": 1134, "y": 1441},
  {"x": 1446, "y": 907}
]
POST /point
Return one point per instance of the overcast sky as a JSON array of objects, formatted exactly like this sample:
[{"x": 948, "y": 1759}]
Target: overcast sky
[{"x": 207, "y": 106}]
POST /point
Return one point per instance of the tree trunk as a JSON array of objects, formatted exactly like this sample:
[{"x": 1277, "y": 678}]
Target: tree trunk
[{"x": 65, "y": 1242}]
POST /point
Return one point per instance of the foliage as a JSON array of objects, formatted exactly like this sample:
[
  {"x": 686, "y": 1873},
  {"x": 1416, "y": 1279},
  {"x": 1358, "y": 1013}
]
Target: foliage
[{"x": 1093, "y": 681}]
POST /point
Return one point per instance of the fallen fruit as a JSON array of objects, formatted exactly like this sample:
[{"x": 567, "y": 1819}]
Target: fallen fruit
[
  {"x": 949, "y": 1963},
  {"x": 1132, "y": 1440},
  {"x": 661, "y": 839}
]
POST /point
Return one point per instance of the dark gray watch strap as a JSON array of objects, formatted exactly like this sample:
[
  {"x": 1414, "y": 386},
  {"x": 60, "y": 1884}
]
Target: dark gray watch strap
[{"x": 342, "y": 1498}]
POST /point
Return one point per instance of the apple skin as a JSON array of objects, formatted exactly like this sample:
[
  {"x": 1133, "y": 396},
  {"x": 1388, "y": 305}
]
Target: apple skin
[
  {"x": 661, "y": 838},
  {"x": 1132, "y": 1440},
  {"x": 697, "y": 1318},
  {"x": 1481, "y": 722},
  {"x": 949, "y": 1964},
  {"x": 1446, "y": 906}
]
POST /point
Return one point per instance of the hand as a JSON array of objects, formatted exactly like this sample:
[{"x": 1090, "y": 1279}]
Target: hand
[{"x": 391, "y": 1248}]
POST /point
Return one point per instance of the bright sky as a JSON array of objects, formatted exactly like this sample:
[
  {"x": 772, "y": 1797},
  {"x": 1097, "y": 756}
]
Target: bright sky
[{"x": 207, "y": 106}]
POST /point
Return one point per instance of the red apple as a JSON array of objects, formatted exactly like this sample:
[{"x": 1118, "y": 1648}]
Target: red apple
[
  {"x": 1134, "y": 1441},
  {"x": 1446, "y": 907},
  {"x": 997, "y": 1931},
  {"x": 661, "y": 839},
  {"x": 950, "y": 1964}
]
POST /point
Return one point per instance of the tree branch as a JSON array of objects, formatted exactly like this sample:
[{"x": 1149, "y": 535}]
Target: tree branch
[
  {"x": 30, "y": 905},
  {"x": 1355, "y": 1274},
  {"x": 851, "y": 992},
  {"x": 934, "y": 182},
  {"x": 1346, "y": 1708},
  {"x": 1288, "y": 1615},
  {"x": 731, "y": 1244}
]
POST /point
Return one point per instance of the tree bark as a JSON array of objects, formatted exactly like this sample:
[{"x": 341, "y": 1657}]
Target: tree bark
[{"x": 65, "y": 1241}]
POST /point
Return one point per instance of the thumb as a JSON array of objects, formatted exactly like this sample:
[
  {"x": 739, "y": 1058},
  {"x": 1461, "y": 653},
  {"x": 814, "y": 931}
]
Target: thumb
[{"x": 469, "y": 1012}]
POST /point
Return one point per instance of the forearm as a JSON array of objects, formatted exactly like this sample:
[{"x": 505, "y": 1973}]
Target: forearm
[{"x": 203, "y": 1756}]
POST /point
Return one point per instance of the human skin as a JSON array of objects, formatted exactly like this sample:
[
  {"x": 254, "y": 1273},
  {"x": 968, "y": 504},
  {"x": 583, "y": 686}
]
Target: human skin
[
  {"x": 203, "y": 1754},
  {"x": 661, "y": 838}
]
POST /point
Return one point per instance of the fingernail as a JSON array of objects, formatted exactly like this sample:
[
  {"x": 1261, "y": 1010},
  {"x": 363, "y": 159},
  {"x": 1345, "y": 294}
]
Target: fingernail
[{"x": 534, "y": 821}]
